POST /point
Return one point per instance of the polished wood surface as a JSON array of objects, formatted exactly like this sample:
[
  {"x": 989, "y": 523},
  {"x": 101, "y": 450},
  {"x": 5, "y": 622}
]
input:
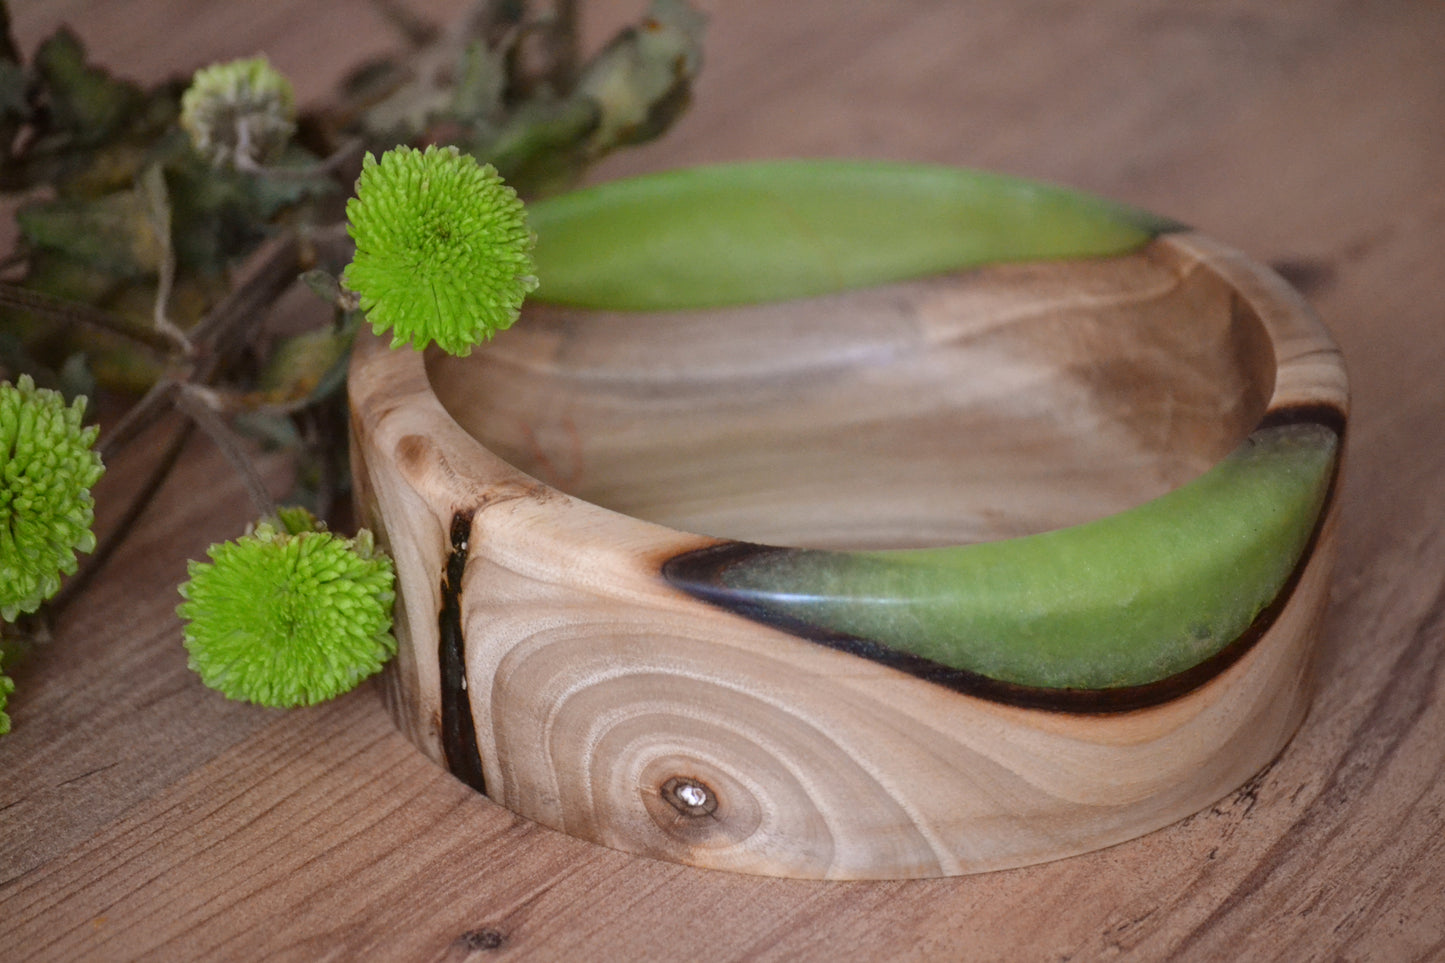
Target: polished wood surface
[
  {"x": 575, "y": 683},
  {"x": 144, "y": 816}
]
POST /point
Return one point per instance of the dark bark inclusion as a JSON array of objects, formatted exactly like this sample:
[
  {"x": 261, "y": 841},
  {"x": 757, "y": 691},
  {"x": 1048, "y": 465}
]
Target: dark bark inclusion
[
  {"x": 700, "y": 573},
  {"x": 459, "y": 733}
]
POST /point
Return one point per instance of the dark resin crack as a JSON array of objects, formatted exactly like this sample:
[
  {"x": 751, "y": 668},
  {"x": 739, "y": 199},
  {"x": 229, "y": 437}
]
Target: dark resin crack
[{"x": 459, "y": 733}]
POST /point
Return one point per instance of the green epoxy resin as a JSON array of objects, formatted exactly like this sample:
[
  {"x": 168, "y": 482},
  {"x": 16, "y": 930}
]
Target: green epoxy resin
[
  {"x": 1125, "y": 600},
  {"x": 749, "y": 233}
]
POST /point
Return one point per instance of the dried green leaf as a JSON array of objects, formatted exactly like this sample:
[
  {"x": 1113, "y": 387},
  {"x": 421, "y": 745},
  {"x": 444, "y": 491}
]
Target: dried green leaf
[
  {"x": 543, "y": 148},
  {"x": 642, "y": 80},
  {"x": 12, "y": 91},
  {"x": 220, "y": 214},
  {"x": 323, "y": 284},
  {"x": 480, "y": 84},
  {"x": 305, "y": 368},
  {"x": 407, "y": 111},
  {"x": 116, "y": 361},
  {"x": 87, "y": 104},
  {"x": 113, "y": 234}
]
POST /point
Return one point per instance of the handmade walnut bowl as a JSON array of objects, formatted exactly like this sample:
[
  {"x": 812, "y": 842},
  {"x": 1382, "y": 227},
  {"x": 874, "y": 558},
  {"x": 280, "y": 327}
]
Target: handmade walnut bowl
[{"x": 944, "y": 574}]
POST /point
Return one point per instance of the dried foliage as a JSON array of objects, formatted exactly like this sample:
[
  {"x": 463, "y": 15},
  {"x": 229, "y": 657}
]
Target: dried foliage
[{"x": 159, "y": 226}]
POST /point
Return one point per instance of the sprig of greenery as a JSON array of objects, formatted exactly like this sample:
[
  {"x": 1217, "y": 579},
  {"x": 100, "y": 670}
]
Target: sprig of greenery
[{"x": 159, "y": 225}]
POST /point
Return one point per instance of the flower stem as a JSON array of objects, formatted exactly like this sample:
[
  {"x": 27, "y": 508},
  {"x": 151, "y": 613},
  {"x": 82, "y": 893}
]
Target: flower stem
[
  {"x": 562, "y": 41},
  {"x": 193, "y": 402},
  {"x": 152, "y": 407},
  {"x": 153, "y": 186},
  {"x": 349, "y": 151},
  {"x": 272, "y": 271},
  {"x": 58, "y": 309}
]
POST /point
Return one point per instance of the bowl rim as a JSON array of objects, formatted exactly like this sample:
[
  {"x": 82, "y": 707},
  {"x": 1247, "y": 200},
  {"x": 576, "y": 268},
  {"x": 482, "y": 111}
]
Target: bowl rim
[{"x": 1309, "y": 385}]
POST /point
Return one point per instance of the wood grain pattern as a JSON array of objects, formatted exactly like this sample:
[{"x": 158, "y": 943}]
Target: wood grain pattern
[
  {"x": 1306, "y": 135},
  {"x": 597, "y": 689},
  {"x": 1026, "y": 375}
]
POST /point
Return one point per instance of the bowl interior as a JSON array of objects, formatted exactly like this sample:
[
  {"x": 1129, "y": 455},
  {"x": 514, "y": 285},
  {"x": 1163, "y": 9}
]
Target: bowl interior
[{"x": 985, "y": 404}]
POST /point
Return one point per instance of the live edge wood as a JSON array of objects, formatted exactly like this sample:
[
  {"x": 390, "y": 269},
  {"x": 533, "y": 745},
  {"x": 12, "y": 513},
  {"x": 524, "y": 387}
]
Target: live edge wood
[{"x": 546, "y": 660}]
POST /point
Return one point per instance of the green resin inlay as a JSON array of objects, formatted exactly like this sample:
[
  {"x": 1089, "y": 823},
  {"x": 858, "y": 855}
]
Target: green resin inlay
[
  {"x": 755, "y": 232},
  {"x": 1122, "y": 601}
]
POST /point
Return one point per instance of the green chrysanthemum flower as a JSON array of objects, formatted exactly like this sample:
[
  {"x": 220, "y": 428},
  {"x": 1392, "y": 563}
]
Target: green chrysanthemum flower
[
  {"x": 442, "y": 248},
  {"x": 239, "y": 113},
  {"x": 7, "y": 686},
  {"x": 290, "y": 614},
  {"x": 47, "y": 468}
]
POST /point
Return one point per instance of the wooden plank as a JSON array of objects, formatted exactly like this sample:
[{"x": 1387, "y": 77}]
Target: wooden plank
[{"x": 1305, "y": 133}]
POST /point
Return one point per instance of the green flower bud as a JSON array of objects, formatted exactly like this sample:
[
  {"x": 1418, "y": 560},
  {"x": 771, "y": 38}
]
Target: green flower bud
[
  {"x": 239, "y": 114},
  {"x": 47, "y": 468},
  {"x": 289, "y": 614},
  {"x": 443, "y": 252}
]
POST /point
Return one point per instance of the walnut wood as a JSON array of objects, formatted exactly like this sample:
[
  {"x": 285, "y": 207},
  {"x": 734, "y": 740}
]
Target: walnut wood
[
  {"x": 1011, "y": 399},
  {"x": 1020, "y": 398},
  {"x": 145, "y": 817}
]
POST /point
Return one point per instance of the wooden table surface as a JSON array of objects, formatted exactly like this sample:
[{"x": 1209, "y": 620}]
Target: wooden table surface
[{"x": 144, "y": 816}]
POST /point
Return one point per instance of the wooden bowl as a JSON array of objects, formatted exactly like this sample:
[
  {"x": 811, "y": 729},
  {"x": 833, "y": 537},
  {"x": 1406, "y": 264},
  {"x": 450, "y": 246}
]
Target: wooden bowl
[{"x": 637, "y": 571}]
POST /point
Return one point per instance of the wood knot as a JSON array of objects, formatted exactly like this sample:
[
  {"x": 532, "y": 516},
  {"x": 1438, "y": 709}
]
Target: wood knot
[
  {"x": 689, "y": 797},
  {"x": 485, "y": 938}
]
